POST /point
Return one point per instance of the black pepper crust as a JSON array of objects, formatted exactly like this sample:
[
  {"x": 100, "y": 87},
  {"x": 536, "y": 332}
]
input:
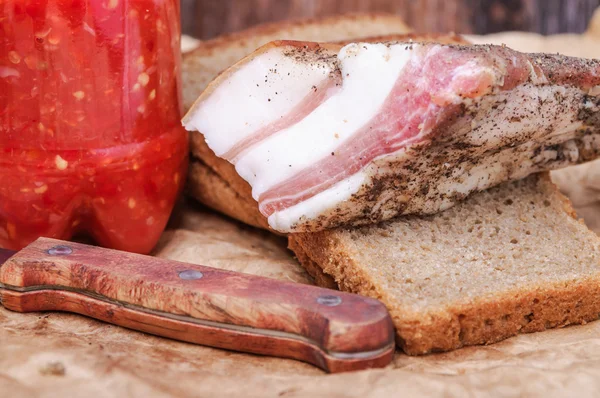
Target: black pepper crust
[
  {"x": 588, "y": 113},
  {"x": 313, "y": 54},
  {"x": 563, "y": 70},
  {"x": 431, "y": 174}
]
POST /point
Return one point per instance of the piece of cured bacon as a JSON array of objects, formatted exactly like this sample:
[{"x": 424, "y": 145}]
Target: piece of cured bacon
[{"x": 329, "y": 135}]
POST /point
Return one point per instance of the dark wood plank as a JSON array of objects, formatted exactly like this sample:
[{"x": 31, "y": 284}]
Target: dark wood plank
[{"x": 208, "y": 18}]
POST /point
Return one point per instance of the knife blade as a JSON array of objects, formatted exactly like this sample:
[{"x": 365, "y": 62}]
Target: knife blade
[{"x": 333, "y": 330}]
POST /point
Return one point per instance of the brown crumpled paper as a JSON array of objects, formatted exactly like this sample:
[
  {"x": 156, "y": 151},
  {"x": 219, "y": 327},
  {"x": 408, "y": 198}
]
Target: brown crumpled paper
[{"x": 66, "y": 355}]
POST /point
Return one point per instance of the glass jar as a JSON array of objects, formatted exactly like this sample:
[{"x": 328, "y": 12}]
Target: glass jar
[{"x": 90, "y": 133}]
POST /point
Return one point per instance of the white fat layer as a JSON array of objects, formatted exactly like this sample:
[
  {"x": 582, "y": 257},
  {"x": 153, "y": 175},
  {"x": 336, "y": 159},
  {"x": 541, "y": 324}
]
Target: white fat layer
[
  {"x": 313, "y": 207},
  {"x": 259, "y": 93},
  {"x": 369, "y": 73}
]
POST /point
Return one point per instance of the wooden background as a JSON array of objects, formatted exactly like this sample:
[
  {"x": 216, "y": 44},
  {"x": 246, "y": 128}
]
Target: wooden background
[{"x": 208, "y": 18}]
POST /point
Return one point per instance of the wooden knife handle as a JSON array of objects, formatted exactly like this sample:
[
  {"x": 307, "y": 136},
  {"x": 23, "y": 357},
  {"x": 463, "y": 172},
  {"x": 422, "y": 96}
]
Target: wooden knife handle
[{"x": 333, "y": 330}]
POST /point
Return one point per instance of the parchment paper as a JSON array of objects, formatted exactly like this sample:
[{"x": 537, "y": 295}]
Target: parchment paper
[{"x": 67, "y": 355}]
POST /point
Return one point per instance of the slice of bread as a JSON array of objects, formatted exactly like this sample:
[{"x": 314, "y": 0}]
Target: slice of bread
[
  {"x": 206, "y": 186},
  {"x": 513, "y": 259}
]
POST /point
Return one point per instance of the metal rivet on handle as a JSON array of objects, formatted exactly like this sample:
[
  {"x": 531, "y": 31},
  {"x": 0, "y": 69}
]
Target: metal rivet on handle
[
  {"x": 330, "y": 301},
  {"x": 60, "y": 250},
  {"x": 190, "y": 274}
]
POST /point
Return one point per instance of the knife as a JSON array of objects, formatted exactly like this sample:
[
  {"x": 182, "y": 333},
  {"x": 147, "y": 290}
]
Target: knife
[{"x": 332, "y": 330}]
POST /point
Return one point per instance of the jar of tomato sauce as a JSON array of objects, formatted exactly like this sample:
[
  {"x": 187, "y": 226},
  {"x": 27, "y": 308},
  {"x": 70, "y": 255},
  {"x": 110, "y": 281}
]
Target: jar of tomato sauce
[{"x": 90, "y": 134}]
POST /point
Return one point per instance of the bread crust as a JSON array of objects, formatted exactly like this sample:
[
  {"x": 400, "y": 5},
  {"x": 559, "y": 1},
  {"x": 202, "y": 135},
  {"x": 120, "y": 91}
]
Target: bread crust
[
  {"x": 442, "y": 38},
  {"x": 478, "y": 321},
  {"x": 268, "y": 30},
  {"x": 321, "y": 278},
  {"x": 210, "y": 189},
  {"x": 225, "y": 170}
]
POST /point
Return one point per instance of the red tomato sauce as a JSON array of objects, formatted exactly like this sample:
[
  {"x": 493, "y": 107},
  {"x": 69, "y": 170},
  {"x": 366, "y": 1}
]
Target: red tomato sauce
[{"x": 90, "y": 132}]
